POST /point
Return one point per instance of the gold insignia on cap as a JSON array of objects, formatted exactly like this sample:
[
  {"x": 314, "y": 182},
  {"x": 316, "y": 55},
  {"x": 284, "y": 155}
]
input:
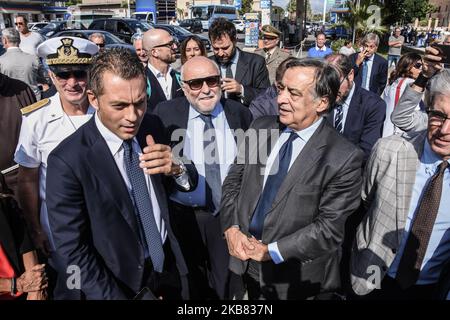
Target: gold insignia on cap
[
  {"x": 35, "y": 106},
  {"x": 68, "y": 54}
]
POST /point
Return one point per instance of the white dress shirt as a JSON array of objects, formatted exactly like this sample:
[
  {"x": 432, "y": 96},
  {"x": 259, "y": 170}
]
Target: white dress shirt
[
  {"x": 193, "y": 149},
  {"x": 115, "y": 146},
  {"x": 345, "y": 107},
  {"x": 297, "y": 147},
  {"x": 164, "y": 81}
]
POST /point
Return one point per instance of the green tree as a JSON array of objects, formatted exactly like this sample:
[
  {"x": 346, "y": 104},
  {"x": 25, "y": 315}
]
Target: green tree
[
  {"x": 360, "y": 19},
  {"x": 291, "y": 6},
  {"x": 72, "y": 3},
  {"x": 246, "y": 7},
  {"x": 406, "y": 11}
]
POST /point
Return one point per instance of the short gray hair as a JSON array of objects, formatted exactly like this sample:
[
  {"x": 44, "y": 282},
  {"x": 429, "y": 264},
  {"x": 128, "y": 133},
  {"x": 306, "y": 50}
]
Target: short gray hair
[
  {"x": 12, "y": 35},
  {"x": 97, "y": 35},
  {"x": 439, "y": 84},
  {"x": 371, "y": 37}
]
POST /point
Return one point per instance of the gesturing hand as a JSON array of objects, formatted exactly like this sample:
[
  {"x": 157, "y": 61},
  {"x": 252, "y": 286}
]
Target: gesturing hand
[{"x": 156, "y": 158}]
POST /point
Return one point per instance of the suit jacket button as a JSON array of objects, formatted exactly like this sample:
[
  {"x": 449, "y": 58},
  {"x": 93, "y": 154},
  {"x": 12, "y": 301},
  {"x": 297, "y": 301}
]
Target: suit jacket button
[
  {"x": 394, "y": 251},
  {"x": 139, "y": 267}
]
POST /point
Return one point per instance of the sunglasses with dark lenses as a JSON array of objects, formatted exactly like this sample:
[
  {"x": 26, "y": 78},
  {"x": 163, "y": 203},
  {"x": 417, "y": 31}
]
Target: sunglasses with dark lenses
[
  {"x": 168, "y": 44},
  {"x": 101, "y": 45},
  {"x": 79, "y": 74},
  {"x": 269, "y": 38},
  {"x": 19, "y": 23},
  {"x": 197, "y": 84},
  {"x": 418, "y": 65}
]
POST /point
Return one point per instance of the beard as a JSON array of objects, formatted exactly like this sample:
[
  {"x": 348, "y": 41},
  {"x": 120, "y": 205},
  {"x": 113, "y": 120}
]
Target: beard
[{"x": 225, "y": 61}]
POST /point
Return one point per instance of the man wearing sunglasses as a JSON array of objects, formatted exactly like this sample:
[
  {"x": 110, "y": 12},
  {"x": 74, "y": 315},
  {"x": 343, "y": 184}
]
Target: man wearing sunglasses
[
  {"x": 271, "y": 51},
  {"x": 358, "y": 114},
  {"x": 29, "y": 40},
  {"x": 48, "y": 122},
  {"x": 163, "y": 82},
  {"x": 404, "y": 236},
  {"x": 206, "y": 124},
  {"x": 99, "y": 39},
  {"x": 244, "y": 74}
]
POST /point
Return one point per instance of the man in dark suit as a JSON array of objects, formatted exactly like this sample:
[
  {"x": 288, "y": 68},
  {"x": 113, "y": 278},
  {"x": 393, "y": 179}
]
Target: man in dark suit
[
  {"x": 371, "y": 69},
  {"x": 196, "y": 213},
  {"x": 163, "y": 82},
  {"x": 107, "y": 205},
  {"x": 358, "y": 114},
  {"x": 244, "y": 74},
  {"x": 284, "y": 218}
]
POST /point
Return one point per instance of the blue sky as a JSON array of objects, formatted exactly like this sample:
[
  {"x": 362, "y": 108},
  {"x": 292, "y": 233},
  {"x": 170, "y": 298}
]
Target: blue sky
[{"x": 317, "y": 5}]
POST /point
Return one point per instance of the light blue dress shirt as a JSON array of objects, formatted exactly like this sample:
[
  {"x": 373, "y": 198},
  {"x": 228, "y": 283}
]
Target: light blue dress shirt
[
  {"x": 193, "y": 149},
  {"x": 438, "y": 250},
  {"x": 369, "y": 71},
  {"x": 297, "y": 147}
]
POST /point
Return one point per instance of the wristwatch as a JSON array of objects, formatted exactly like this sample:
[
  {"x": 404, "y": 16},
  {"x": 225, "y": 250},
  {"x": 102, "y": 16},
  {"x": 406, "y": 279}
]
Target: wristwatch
[{"x": 178, "y": 168}]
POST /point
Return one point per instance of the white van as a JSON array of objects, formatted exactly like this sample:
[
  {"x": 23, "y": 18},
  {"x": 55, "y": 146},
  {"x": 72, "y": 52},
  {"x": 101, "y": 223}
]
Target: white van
[{"x": 147, "y": 16}]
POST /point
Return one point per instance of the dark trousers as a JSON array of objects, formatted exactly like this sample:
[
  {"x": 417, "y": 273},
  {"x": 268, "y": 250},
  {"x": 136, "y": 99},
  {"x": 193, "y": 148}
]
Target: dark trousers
[
  {"x": 204, "y": 249},
  {"x": 165, "y": 284},
  {"x": 390, "y": 290}
]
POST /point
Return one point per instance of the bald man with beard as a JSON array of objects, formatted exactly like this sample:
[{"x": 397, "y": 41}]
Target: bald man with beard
[
  {"x": 163, "y": 82},
  {"x": 195, "y": 215}
]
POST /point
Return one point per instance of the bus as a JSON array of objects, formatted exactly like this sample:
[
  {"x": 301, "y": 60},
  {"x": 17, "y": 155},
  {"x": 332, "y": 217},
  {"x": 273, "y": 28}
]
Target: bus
[{"x": 207, "y": 13}]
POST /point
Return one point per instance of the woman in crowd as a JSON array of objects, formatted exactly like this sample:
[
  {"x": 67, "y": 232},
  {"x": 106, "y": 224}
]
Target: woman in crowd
[
  {"x": 406, "y": 71},
  {"x": 347, "y": 48},
  {"x": 20, "y": 274},
  {"x": 192, "y": 46}
]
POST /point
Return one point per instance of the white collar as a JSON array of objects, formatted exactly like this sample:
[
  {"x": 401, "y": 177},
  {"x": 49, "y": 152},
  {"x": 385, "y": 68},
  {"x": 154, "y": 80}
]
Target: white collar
[{"x": 157, "y": 73}]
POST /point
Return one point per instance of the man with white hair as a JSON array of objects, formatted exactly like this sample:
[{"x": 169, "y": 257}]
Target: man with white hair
[
  {"x": 99, "y": 39},
  {"x": 371, "y": 69},
  {"x": 18, "y": 64},
  {"x": 163, "y": 82},
  {"x": 404, "y": 237},
  {"x": 137, "y": 41},
  {"x": 208, "y": 141}
]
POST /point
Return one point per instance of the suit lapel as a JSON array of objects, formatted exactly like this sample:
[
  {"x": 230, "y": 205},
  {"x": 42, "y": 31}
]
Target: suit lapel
[
  {"x": 232, "y": 119},
  {"x": 104, "y": 167},
  {"x": 156, "y": 89},
  {"x": 241, "y": 67},
  {"x": 305, "y": 160},
  {"x": 353, "y": 110}
]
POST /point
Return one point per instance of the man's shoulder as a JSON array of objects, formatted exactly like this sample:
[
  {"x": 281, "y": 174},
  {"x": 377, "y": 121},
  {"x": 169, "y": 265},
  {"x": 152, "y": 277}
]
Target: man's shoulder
[
  {"x": 265, "y": 122},
  {"x": 368, "y": 98},
  {"x": 36, "y": 110},
  {"x": 251, "y": 57},
  {"x": 400, "y": 142},
  {"x": 167, "y": 107},
  {"x": 235, "y": 106},
  {"x": 73, "y": 148}
]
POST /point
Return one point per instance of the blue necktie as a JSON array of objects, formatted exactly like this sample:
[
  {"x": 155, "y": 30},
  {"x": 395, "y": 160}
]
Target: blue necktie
[
  {"x": 273, "y": 183},
  {"x": 338, "y": 120},
  {"x": 213, "y": 183},
  {"x": 365, "y": 69},
  {"x": 143, "y": 207}
]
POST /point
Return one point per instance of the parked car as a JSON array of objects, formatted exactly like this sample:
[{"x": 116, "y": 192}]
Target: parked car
[
  {"x": 56, "y": 26},
  {"x": 337, "y": 32},
  {"x": 180, "y": 34},
  {"x": 192, "y": 25},
  {"x": 110, "y": 39},
  {"x": 240, "y": 25},
  {"x": 122, "y": 28},
  {"x": 36, "y": 26}
]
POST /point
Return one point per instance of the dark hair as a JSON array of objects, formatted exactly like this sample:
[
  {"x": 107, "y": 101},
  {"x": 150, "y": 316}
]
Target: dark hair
[
  {"x": 402, "y": 69},
  {"x": 321, "y": 34},
  {"x": 326, "y": 78},
  {"x": 23, "y": 17},
  {"x": 340, "y": 62},
  {"x": 221, "y": 27},
  {"x": 183, "y": 46},
  {"x": 282, "y": 69},
  {"x": 119, "y": 61},
  {"x": 346, "y": 42}
]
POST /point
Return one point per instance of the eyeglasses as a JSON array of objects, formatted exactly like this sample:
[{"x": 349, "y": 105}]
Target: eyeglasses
[
  {"x": 269, "y": 38},
  {"x": 197, "y": 84},
  {"x": 169, "y": 44},
  {"x": 101, "y": 45},
  {"x": 19, "y": 23},
  {"x": 418, "y": 65},
  {"x": 436, "y": 118},
  {"x": 65, "y": 75}
]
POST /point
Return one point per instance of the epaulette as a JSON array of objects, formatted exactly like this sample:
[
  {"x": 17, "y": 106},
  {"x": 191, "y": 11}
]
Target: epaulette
[{"x": 35, "y": 106}]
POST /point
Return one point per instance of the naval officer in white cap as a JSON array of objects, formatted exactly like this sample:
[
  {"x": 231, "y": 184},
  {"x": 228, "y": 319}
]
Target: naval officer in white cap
[{"x": 48, "y": 122}]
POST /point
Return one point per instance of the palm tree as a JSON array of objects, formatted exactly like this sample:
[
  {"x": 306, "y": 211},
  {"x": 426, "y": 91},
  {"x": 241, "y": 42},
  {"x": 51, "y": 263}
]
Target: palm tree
[{"x": 359, "y": 19}]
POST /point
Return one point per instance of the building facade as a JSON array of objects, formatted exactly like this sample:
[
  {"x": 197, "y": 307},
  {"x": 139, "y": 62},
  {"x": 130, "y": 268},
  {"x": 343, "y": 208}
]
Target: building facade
[
  {"x": 34, "y": 10},
  {"x": 442, "y": 14}
]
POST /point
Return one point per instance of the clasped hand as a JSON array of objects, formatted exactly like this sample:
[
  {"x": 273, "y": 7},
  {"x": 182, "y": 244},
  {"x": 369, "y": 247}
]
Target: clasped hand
[{"x": 244, "y": 248}]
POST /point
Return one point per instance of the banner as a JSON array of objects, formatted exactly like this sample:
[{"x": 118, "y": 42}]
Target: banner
[
  {"x": 238, "y": 4},
  {"x": 265, "y": 4},
  {"x": 251, "y": 33}
]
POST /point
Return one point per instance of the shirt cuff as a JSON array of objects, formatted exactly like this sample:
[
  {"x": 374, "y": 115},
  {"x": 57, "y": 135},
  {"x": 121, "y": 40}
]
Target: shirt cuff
[
  {"x": 242, "y": 93},
  {"x": 183, "y": 181},
  {"x": 275, "y": 253}
]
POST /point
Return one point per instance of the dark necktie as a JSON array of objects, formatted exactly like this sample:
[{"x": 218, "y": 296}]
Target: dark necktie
[
  {"x": 338, "y": 119},
  {"x": 422, "y": 226},
  {"x": 229, "y": 72},
  {"x": 273, "y": 183},
  {"x": 213, "y": 183},
  {"x": 365, "y": 69},
  {"x": 143, "y": 207},
  {"x": 268, "y": 56}
]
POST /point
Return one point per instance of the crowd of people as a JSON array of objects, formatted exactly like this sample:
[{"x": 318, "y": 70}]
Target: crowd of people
[{"x": 241, "y": 175}]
